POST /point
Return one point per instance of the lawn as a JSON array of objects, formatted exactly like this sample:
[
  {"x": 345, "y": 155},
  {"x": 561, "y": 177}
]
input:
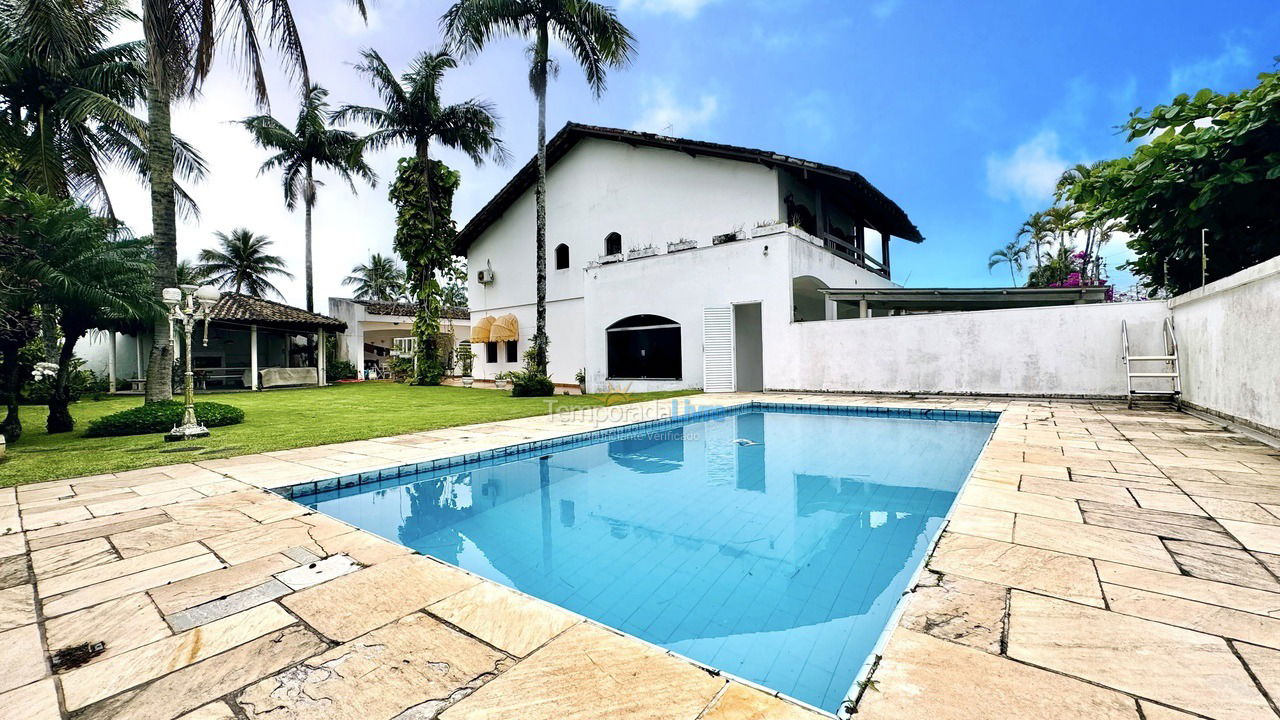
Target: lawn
[{"x": 275, "y": 420}]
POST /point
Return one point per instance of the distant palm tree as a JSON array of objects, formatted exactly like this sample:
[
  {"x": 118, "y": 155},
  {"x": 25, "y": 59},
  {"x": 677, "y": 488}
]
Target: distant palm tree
[
  {"x": 597, "y": 40},
  {"x": 380, "y": 279},
  {"x": 1037, "y": 231},
  {"x": 242, "y": 264},
  {"x": 190, "y": 273},
  {"x": 299, "y": 151},
  {"x": 1011, "y": 255}
]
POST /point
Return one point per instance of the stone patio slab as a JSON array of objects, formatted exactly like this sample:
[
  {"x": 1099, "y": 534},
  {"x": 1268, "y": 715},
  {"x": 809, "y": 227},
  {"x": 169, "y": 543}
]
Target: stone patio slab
[
  {"x": 1184, "y": 669},
  {"x": 17, "y": 606},
  {"x": 121, "y": 625},
  {"x": 504, "y": 618},
  {"x": 348, "y": 607},
  {"x": 1067, "y": 576},
  {"x": 196, "y": 685},
  {"x": 1103, "y": 543},
  {"x": 740, "y": 702},
  {"x": 37, "y": 701},
  {"x": 86, "y": 685},
  {"x": 923, "y": 677},
  {"x": 212, "y": 585},
  {"x": 589, "y": 673},
  {"x": 416, "y": 662}
]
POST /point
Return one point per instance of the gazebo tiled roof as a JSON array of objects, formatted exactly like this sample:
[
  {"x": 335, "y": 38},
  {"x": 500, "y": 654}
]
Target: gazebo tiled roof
[
  {"x": 406, "y": 309},
  {"x": 248, "y": 310}
]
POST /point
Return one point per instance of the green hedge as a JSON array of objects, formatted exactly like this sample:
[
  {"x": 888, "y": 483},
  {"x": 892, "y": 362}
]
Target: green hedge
[{"x": 161, "y": 417}]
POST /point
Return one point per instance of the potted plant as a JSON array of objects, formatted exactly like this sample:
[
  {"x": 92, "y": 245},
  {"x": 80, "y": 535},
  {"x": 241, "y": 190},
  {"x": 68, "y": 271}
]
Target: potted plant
[
  {"x": 466, "y": 358},
  {"x": 502, "y": 381},
  {"x": 581, "y": 377}
]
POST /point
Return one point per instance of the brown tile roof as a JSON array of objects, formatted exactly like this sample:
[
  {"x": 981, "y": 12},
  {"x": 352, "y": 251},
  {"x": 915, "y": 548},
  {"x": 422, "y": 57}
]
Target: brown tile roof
[
  {"x": 407, "y": 309},
  {"x": 248, "y": 310}
]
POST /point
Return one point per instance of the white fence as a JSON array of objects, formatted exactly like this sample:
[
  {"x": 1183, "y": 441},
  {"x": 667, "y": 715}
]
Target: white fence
[
  {"x": 1228, "y": 336},
  {"x": 1071, "y": 350}
]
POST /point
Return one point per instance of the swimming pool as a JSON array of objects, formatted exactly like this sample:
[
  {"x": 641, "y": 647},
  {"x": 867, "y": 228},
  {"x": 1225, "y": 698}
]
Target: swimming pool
[{"x": 771, "y": 542}]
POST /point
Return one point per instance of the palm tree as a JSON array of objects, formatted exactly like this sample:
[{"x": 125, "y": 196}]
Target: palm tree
[
  {"x": 380, "y": 279},
  {"x": 188, "y": 273},
  {"x": 89, "y": 270},
  {"x": 299, "y": 151},
  {"x": 1012, "y": 255},
  {"x": 1037, "y": 231},
  {"x": 66, "y": 95},
  {"x": 243, "y": 264},
  {"x": 181, "y": 38},
  {"x": 596, "y": 39}
]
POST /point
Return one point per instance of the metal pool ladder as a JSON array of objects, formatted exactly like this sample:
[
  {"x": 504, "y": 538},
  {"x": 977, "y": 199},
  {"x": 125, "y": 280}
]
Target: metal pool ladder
[{"x": 1169, "y": 364}]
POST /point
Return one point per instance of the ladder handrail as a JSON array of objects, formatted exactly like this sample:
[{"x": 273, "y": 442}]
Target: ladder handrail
[
  {"x": 1171, "y": 344},
  {"x": 1128, "y": 370}
]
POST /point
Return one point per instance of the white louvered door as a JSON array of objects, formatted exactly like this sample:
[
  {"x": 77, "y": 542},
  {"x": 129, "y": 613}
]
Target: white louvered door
[{"x": 717, "y": 349}]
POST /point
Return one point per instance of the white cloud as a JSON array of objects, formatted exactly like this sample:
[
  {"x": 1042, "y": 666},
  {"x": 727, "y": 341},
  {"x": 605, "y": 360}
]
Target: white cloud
[
  {"x": 684, "y": 8},
  {"x": 1029, "y": 173},
  {"x": 664, "y": 113},
  {"x": 884, "y": 8},
  {"x": 1209, "y": 72}
]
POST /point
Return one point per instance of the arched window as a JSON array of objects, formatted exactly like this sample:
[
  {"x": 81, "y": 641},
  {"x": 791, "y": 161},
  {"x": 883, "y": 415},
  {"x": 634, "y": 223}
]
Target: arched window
[
  {"x": 644, "y": 347},
  {"x": 562, "y": 257},
  {"x": 613, "y": 244},
  {"x": 807, "y": 303}
]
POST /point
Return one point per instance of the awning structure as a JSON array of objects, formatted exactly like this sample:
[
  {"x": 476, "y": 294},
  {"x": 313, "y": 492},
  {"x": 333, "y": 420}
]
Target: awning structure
[
  {"x": 480, "y": 331},
  {"x": 505, "y": 329},
  {"x": 916, "y": 300}
]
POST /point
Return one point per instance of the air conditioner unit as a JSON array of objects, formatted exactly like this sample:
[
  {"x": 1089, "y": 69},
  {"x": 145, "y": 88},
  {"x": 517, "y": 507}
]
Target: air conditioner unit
[{"x": 485, "y": 277}]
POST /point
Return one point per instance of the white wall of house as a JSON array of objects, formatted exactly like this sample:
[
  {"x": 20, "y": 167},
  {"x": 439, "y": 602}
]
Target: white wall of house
[
  {"x": 650, "y": 196},
  {"x": 1229, "y": 338},
  {"x": 680, "y": 285},
  {"x": 1065, "y": 350}
]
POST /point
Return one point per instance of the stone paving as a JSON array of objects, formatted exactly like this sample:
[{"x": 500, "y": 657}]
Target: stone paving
[{"x": 1101, "y": 563}]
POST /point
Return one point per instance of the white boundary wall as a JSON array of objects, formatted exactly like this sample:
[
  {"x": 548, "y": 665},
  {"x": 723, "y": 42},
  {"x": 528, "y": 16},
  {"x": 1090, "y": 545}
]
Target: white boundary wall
[
  {"x": 1229, "y": 338},
  {"x": 1067, "y": 350}
]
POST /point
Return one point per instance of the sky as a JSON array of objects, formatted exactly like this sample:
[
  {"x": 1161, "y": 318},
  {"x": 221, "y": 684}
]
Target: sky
[{"x": 964, "y": 113}]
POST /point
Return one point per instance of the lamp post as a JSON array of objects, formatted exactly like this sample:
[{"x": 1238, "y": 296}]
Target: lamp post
[{"x": 189, "y": 305}]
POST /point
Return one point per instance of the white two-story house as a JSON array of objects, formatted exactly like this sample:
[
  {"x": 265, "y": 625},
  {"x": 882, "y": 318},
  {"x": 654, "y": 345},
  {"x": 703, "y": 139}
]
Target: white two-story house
[{"x": 670, "y": 262}]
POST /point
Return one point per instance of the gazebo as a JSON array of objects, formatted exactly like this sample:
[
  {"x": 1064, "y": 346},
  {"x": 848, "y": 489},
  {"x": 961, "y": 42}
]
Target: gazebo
[{"x": 253, "y": 344}]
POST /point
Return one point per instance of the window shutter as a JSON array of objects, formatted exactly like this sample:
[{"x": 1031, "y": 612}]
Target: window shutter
[{"x": 717, "y": 349}]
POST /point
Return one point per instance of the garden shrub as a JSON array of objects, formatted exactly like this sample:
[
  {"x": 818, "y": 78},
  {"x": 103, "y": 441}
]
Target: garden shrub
[
  {"x": 336, "y": 370},
  {"x": 531, "y": 384},
  {"x": 161, "y": 417}
]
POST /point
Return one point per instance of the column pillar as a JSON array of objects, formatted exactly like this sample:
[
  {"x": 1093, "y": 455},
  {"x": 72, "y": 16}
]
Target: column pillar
[
  {"x": 321, "y": 360},
  {"x": 862, "y": 308},
  {"x": 253, "y": 356},
  {"x": 111, "y": 362}
]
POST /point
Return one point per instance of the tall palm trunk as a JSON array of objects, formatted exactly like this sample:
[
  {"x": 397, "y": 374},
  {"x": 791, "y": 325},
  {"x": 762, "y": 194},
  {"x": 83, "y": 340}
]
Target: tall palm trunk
[
  {"x": 308, "y": 203},
  {"x": 11, "y": 426},
  {"x": 540, "y": 195},
  {"x": 60, "y": 419},
  {"x": 164, "y": 226}
]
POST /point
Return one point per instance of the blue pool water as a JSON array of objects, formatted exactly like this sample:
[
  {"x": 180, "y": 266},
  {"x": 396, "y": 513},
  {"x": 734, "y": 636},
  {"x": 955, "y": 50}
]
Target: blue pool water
[{"x": 773, "y": 545}]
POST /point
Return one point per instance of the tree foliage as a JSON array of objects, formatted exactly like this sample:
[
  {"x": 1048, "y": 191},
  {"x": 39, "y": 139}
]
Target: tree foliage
[
  {"x": 1208, "y": 162},
  {"x": 380, "y": 279},
  {"x": 242, "y": 263},
  {"x": 424, "y": 238}
]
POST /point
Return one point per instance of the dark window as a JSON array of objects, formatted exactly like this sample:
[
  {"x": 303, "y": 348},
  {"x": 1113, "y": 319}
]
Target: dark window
[
  {"x": 613, "y": 244},
  {"x": 511, "y": 351},
  {"x": 644, "y": 346},
  {"x": 491, "y": 352},
  {"x": 562, "y": 257}
]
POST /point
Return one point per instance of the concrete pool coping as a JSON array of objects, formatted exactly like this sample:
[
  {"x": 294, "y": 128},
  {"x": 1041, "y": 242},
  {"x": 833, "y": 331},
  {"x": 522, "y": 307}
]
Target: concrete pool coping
[{"x": 1097, "y": 561}]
